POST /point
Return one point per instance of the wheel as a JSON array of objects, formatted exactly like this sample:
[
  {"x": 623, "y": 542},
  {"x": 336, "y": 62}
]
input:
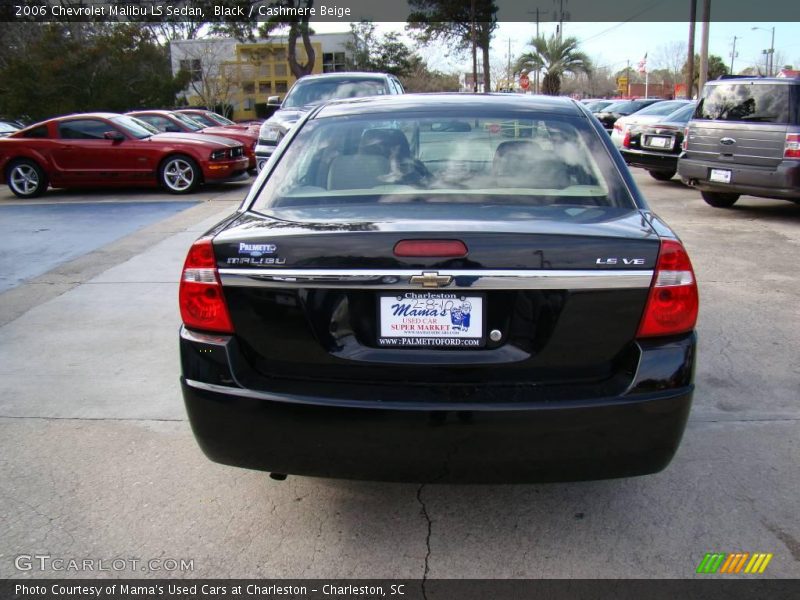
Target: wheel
[
  {"x": 662, "y": 175},
  {"x": 720, "y": 199},
  {"x": 179, "y": 174},
  {"x": 26, "y": 179}
]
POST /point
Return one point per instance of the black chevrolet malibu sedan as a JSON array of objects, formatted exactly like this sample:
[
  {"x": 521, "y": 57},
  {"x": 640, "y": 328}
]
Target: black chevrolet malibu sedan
[{"x": 441, "y": 288}]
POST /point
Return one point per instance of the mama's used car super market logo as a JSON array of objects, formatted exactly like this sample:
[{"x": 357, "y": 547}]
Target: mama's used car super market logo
[{"x": 734, "y": 563}]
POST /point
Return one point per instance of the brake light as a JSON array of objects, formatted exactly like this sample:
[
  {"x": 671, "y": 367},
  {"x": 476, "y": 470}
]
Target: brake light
[
  {"x": 685, "y": 142},
  {"x": 792, "y": 147},
  {"x": 200, "y": 295},
  {"x": 673, "y": 301},
  {"x": 436, "y": 248},
  {"x": 626, "y": 141}
]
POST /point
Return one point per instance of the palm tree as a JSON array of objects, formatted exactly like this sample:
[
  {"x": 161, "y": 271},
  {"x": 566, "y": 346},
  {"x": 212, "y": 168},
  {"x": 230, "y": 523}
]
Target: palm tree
[{"x": 556, "y": 56}]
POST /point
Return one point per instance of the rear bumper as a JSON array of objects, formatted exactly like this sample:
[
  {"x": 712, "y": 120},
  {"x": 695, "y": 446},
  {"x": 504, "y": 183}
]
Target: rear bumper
[
  {"x": 652, "y": 161},
  {"x": 782, "y": 182},
  {"x": 363, "y": 438}
]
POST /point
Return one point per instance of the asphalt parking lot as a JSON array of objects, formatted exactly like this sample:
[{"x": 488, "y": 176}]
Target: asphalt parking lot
[{"x": 97, "y": 459}]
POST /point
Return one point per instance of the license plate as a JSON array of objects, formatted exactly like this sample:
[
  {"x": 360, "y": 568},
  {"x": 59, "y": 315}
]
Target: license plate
[
  {"x": 655, "y": 141},
  {"x": 436, "y": 319},
  {"x": 720, "y": 175}
]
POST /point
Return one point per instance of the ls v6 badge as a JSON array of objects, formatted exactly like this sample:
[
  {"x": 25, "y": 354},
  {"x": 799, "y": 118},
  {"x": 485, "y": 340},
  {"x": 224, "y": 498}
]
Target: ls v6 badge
[{"x": 619, "y": 261}]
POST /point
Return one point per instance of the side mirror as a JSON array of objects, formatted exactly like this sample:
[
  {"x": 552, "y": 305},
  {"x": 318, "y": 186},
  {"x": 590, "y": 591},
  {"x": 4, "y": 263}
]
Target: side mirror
[
  {"x": 115, "y": 136},
  {"x": 274, "y": 101}
]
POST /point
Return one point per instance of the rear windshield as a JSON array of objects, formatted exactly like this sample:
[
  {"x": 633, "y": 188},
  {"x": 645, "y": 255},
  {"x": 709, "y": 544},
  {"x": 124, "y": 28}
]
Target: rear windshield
[
  {"x": 750, "y": 102},
  {"x": 315, "y": 91},
  {"x": 661, "y": 108},
  {"x": 424, "y": 167}
]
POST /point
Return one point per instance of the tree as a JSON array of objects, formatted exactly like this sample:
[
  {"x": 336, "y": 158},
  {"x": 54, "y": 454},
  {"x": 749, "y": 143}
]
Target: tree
[
  {"x": 203, "y": 66},
  {"x": 421, "y": 79},
  {"x": 455, "y": 22},
  {"x": 557, "y": 56},
  {"x": 716, "y": 67},
  {"x": 672, "y": 57},
  {"x": 77, "y": 68},
  {"x": 384, "y": 54},
  {"x": 299, "y": 27}
]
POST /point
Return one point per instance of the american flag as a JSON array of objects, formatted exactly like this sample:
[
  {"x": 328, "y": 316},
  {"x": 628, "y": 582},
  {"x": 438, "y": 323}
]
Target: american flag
[{"x": 643, "y": 64}]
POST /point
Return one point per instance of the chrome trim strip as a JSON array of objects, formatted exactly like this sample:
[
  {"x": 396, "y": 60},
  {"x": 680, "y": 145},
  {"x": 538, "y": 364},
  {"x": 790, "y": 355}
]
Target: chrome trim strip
[{"x": 472, "y": 279}]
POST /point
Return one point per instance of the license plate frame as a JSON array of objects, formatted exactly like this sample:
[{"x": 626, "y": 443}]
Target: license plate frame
[
  {"x": 659, "y": 142},
  {"x": 419, "y": 332},
  {"x": 719, "y": 175}
]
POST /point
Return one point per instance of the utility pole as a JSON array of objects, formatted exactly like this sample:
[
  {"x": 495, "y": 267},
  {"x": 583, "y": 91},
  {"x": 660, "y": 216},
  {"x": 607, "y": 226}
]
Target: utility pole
[
  {"x": 733, "y": 53},
  {"x": 561, "y": 16},
  {"x": 508, "y": 70},
  {"x": 772, "y": 54},
  {"x": 536, "y": 72},
  {"x": 704, "y": 46},
  {"x": 690, "y": 58}
]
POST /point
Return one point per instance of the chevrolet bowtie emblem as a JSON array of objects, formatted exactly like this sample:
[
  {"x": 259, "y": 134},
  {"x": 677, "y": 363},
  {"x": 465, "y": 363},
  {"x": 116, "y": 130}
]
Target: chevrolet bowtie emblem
[{"x": 431, "y": 279}]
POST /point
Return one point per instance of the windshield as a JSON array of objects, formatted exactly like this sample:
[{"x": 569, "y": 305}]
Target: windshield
[
  {"x": 151, "y": 128},
  {"x": 7, "y": 127},
  {"x": 661, "y": 108},
  {"x": 202, "y": 119},
  {"x": 316, "y": 91},
  {"x": 598, "y": 105},
  {"x": 219, "y": 119},
  {"x": 418, "y": 167},
  {"x": 614, "y": 106},
  {"x": 133, "y": 126},
  {"x": 190, "y": 122},
  {"x": 760, "y": 103}
]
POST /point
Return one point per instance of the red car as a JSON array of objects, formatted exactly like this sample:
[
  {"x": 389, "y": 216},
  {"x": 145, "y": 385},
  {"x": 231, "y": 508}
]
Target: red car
[
  {"x": 108, "y": 149},
  {"x": 177, "y": 121}
]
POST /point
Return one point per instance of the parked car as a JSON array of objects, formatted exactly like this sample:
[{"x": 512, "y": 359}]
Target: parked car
[
  {"x": 596, "y": 106},
  {"x": 649, "y": 114},
  {"x": 170, "y": 121},
  {"x": 609, "y": 115},
  {"x": 107, "y": 149},
  {"x": 210, "y": 118},
  {"x": 311, "y": 90},
  {"x": 656, "y": 147},
  {"x": 744, "y": 138},
  {"x": 7, "y": 128},
  {"x": 400, "y": 301}
]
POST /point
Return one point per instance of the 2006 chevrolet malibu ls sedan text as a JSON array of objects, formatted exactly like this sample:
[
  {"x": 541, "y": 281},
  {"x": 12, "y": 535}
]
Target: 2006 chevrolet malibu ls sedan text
[{"x": 441, "y": 288}]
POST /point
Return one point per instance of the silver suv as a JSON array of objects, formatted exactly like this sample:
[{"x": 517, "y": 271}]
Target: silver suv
[
  {"x": 312, "y": 90},
  {"x": 744, "y": 138}
]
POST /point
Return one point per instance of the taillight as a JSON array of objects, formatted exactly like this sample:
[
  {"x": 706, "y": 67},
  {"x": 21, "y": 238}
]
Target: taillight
[
  {"x": 437, "y": 248},
  {"x": 200, "y": 295},
  {"x": 626, "y": 141},
  {"x": 685, "y": 142},
  {"x": 673, "y": 301},
  {"x": 792, "y": 147}
]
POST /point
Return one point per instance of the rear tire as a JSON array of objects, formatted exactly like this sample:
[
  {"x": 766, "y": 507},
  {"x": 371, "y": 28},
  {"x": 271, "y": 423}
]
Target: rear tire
[
  {"x": 179, "y": 174},
  {"x": 662, "y": 175},
  {"x": 26, "y": 179},
  {"x": 720, "y": 199}
]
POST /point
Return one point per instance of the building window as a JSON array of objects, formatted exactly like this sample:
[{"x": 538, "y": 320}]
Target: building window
[
  {"x": 265, "y": 87},
  {"x": 249, "y": 87},
  {"x": 281, "y": 87},
  {"x": 193, "y": 67},
  {"x": 263, "y": 70},
  {"x": 280, "y": 70},
  {"x": 333, "y": 62},
  {"x": 279, "y": 55}
]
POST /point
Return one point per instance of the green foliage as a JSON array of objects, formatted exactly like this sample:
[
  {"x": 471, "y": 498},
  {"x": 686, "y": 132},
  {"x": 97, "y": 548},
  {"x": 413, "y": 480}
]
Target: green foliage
[
  {"x": 384, "y": 54},
  {"x": 716, "y": 67},
  {"x": 75, "y": 67},
  {"x": 557, "y": 56}
]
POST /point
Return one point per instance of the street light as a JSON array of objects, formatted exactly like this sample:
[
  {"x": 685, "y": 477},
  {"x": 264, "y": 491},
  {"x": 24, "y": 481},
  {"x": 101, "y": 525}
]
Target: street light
[{"x": 771, "y": 51}]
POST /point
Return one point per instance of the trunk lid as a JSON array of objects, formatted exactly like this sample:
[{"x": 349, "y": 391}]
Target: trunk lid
[
  {"x": 565, "y": 297},
  {"x": 740, "y": 143}
]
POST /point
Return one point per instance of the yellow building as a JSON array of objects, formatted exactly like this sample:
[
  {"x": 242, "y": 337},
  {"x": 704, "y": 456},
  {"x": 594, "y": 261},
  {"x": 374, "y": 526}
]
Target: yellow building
[{"x": 242, "y": 76}]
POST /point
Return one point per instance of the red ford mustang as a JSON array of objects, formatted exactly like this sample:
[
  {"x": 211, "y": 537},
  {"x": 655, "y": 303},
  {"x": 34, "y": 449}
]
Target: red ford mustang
[
  {"x": 108, "y": 149},
  {"x": 177, "y": 121}
]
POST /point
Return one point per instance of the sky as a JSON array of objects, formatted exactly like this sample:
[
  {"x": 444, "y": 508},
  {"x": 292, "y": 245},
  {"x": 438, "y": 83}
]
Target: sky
[{"x": 613, "y": 44}]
